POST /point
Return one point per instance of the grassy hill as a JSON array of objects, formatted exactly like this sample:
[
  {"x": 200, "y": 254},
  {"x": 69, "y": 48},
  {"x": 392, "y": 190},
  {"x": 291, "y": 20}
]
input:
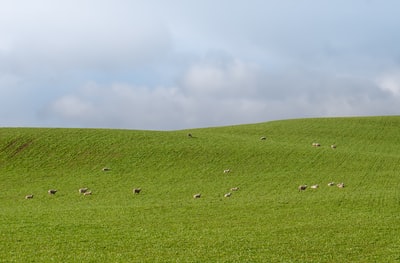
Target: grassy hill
[{"x": 267, "y": 220}]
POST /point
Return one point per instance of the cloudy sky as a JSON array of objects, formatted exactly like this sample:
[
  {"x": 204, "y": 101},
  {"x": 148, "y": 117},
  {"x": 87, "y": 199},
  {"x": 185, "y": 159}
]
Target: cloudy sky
[{"x": 176, "y": 64}]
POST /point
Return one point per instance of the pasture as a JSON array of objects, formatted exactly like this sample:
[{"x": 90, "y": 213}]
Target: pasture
[{"x": 267, "y": 220}]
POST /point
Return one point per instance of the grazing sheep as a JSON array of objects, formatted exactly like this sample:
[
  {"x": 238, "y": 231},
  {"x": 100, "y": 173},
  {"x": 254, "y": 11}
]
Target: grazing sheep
[
  {"x": 315, "y": 186},
  {"x": 136, "y": 190},
  {"x": 28, "y": 196},
  {"x": 52, "y": 191},
  {"x": 227, "y": 171},
  {"x": 341, "y": 185},
  {"x": 263, "y": 138},
  {"x": 331, "y": 184},
  {"x": 234, "y": 188},
  {"x": 197, "y": 196},
  {"x": 106, "y": 169},
  {"x": 190, "y": 135},
  {"x": 302, "y": 187},
  {"x": 333, "y": 146},
  {"x": 83, "y": 190},
  {"x": 315, "y": 144},
  {"x": 87, "y": 193},
  {"x": 227, "y": 195}
]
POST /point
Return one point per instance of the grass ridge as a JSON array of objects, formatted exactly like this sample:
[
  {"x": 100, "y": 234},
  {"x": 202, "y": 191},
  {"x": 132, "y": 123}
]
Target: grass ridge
[{"x": 267, "y": 220}]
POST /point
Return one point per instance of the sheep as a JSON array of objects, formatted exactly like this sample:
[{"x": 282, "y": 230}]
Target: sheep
[
  {"x": 234, "y": 188},
  {"x": 52, "y": 191},
  {"x": 227, "y": 171},
  {"x": 263, "y": 138},
  {"x": 333, "y": 146},
  {"x": 87, "y": 193},
  {"x": 302, "y": 187},
  {"x": 227, "y": 195},
  {"x": 28, "y": 196},
  {"x": 331, "y": 184},
  {"x": 197, "y": 196},
  {"x": 315, "y": 144},
  {"x": 341, "y": 185},
  {"x": 136, "y": 190},
  {"x": 190, "y": 135},
  {"x": 315, "y": 186},
  {"x": 83, "y": 190},
  {"x": 106, "y": 169}
]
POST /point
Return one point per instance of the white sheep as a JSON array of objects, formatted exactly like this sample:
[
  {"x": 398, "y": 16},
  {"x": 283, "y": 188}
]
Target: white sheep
[
  {"x": 106, "y": 169},
  {"x": 28, "y": 196},
  {"x": 197, "y": 196},
  {"x": 316, "y": 144},
  {"x": 331, "y": 184},
  {"x": 333, "y": 146},
  {"x": 302, "y": 187},
  {"x": 87, "y": 193},
  {"x": 263, "y": 138},
  {"x": 234, "y": 188},
  {"x": 227, "y": 171},
  {"x": 315, "y": 186},
  {"x": 52, "y": 191},
  {"x": 341, "y": 185},
  {"x": 227, "y": 195},
  {"x": 137, "y": 190},
  {"x": 83, "y": 190}
]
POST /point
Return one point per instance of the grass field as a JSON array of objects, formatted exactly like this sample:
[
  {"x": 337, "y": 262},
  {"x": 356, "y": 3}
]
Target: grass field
[{"x": 267, "y": 220}]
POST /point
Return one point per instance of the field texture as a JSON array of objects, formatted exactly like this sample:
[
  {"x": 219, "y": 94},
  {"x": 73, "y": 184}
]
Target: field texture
[{"x": 267, "y": 220}]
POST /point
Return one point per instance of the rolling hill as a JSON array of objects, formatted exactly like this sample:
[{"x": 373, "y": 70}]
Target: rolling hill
[{"x": 266, "y": 220}]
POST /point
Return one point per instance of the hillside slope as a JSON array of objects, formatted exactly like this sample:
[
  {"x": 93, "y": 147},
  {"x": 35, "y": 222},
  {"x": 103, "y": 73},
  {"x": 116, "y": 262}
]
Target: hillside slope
[{"x": 268, "y": 219}]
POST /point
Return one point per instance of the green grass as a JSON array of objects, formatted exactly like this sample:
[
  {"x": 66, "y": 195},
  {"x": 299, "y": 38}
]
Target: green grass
[{"x": 267, "y": 220}]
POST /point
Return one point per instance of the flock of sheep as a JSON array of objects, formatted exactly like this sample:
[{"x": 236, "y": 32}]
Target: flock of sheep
[
  {"x": 316, "y": 144},
  {"x": 229, "y": 194},
  {"x": 316, "y": 186},
  {"x": 85, "y": 191}
]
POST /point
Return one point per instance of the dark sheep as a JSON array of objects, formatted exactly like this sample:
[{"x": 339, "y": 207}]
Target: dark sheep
[
  {"x": 52, "y": 191},
  {"x": 197, "y": 196},
  {"x": 83, "y": 190},
  {"x": 302, "y": 187}
]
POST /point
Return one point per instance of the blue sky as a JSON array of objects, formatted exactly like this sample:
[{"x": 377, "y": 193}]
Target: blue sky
[{"x": 173, "y": 64}]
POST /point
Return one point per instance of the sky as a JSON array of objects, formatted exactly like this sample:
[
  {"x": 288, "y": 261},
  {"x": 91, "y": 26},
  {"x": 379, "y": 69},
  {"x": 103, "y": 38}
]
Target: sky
[{"x": 181, "y": 64}]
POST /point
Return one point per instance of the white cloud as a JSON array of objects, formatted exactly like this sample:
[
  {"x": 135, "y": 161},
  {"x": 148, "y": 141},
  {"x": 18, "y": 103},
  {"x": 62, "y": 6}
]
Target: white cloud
[
  {"x": 390, "y": 82},
  {"x": 119, "y": 105},
  {"x": 73, "y": 107},
  {"x": 223, "y": 79},
  {"x": 46, "y": 36},
  {"x": 174, "y": 64},
  {"x": 215, "y": 93}
]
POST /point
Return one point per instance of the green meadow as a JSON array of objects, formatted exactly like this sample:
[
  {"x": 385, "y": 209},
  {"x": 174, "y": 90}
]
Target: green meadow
[{"x": 267, "y": 220}]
